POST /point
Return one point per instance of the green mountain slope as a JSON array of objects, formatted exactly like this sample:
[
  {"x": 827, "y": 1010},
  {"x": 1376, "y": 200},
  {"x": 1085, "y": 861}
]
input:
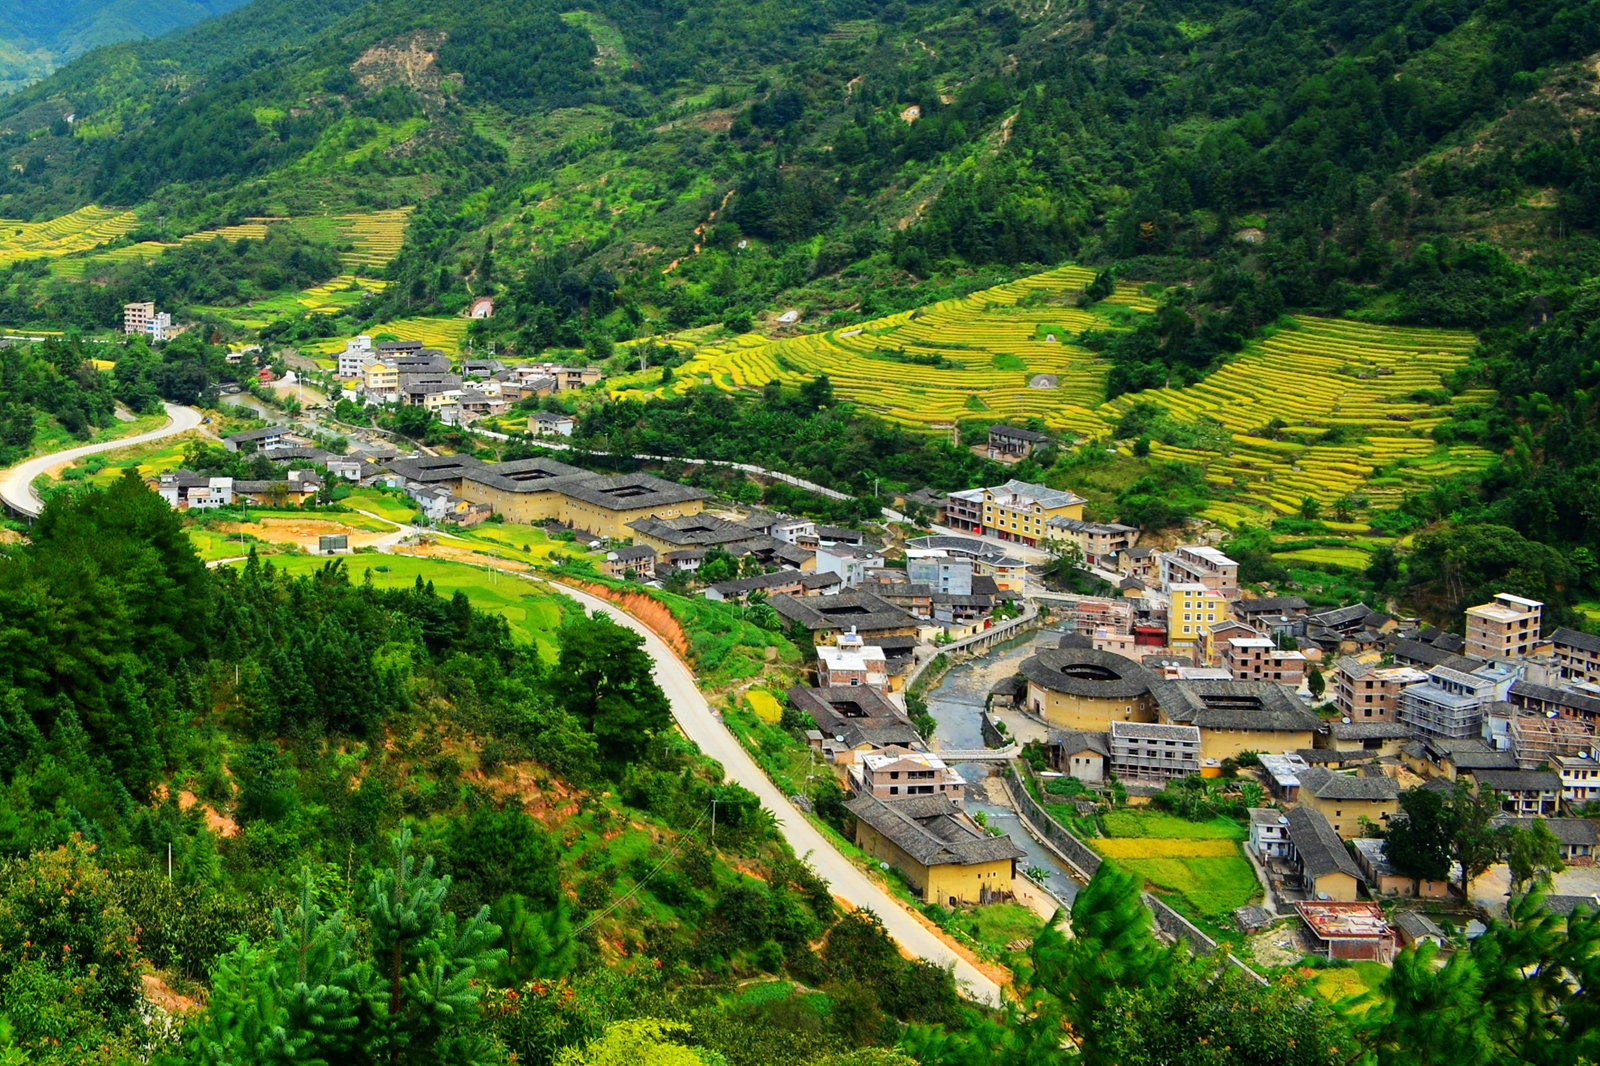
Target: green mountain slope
[
  {"x": 626, "y": 166},
  {"x": 36, "y": 37}
]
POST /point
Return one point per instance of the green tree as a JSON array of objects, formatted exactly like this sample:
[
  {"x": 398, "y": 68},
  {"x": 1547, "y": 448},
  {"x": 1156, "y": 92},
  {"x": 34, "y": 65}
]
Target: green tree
[
  {"x": 1473, "y": 840},
  {"x": 1316, "y": 684},
  {"x": 1418, "y": 842},
  {"x": 408, "y": 995},
  {"x": 1532, "y": 854},
  {"x": 605, "y": 679}
]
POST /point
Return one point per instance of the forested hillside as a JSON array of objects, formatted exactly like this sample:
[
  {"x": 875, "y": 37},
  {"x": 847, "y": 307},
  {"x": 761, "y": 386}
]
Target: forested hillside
[{"x": 36, "y": 37}]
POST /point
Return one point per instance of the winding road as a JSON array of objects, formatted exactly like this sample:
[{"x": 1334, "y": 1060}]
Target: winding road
[
  {"x": 16, "y": 484},
  {"x": 689, "y": 707},
  {"x": 695, "y": 718}
]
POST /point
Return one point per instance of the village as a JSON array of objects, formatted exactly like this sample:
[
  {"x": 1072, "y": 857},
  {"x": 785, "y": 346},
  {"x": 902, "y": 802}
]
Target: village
[{"x": 1172, "y": 671}]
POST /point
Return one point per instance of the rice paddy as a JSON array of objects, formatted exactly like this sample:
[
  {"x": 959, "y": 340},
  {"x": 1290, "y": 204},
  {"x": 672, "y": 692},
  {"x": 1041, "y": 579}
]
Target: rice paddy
[
  {"x": 925, "y": 367},
  {"x": 78, "y": 231},
  {"x": 447, "y": 334},
  {"x": 1197, "y": 866},
  {"x": 1331, "y": 410}
]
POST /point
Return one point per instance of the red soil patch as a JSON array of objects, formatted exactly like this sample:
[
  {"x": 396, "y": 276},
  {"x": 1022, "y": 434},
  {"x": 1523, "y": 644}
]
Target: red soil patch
[{"x": 651, "y": 612}]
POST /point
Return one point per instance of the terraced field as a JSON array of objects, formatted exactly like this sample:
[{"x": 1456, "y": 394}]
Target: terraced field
[
  {"x": 1282, "y": 395},
  {"x": 1379, "y": 389},
  {"x": 990, "y": 345},
  {"x": 446, "y": 334},
  {"x": 78, "y": 231}
]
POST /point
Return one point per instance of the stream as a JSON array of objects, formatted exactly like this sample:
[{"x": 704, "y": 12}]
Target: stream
[{"x": 956, "y": 704}]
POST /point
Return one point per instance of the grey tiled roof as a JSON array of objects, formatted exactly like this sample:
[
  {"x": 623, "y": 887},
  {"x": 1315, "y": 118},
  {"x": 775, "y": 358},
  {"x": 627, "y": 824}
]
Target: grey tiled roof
[
  {"x": 1570, "y": 831},
  {"x": 1370, "y": 730},
  {"x": 1519, "y": 780},
  {"x": 1323, "y": 783},
  {"x": 927, "y": 829},
  {"x": 1576, "y": 639},
  {"x": 1254, "y": 705},
  {"x": 1320, "y": 849}
]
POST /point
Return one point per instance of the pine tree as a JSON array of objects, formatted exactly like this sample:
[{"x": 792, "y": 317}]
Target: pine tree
[{"x": 426, "y": 1000}]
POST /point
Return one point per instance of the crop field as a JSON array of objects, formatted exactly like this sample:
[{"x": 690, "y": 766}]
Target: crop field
[
  {"x": 940, "y": 363},
  {"x": 1284, "y": 393},
  {"x": 78, "y": 231},
  {"x": 1210, "y": 876},
  {"x": 1378, "y": 390},
  {"x": 447, "y": 334},
  {"x": 375, "y": 235},
  {"x": 1130, "y": 824},
  {"x": 765, "y": 705}
]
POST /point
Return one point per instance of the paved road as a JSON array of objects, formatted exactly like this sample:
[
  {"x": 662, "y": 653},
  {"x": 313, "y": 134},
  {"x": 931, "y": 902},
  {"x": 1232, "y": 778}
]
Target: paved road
[
  {"x": 16, "y": 484},
  {"x": 694, "y": 716}
]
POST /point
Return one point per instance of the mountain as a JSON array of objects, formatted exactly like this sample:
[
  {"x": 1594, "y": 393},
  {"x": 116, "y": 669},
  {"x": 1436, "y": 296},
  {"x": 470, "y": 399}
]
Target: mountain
[{"x": 37, "y": 37}]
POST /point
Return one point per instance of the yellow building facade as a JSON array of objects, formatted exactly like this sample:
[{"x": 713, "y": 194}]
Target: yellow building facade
[
  {"x": 943, "y": 883},
  {"x": 1193, "y": 608}
]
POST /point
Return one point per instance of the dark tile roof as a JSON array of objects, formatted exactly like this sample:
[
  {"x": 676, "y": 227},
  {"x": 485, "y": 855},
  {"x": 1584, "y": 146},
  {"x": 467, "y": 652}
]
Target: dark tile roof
[
  {"x": 1079, "y": 740},
  {"x": 929, "y": 829},
  {"x": 1416, "y": 925},
  {"x": 820, "y": 581},
  {"x": 1323, "y": 783},
  {"x": 692, "y": 530},
  {"x": 1089, "y": 673},
  {"x": 1257, "y": 705},
  {"x": 1527, "y": 694},
  {"x": 1370, "y": 730},
  {"x": 741, "y": 585},
  {"x": 1319, "y": 847},
  {"x": 1570, "y": 904},
  {"x": 1519, "y": 780},
  {"x": 246, "y": 435},
  {"x": 1271, "y": 605},
  {"x": 852, "y": 607},
  {"x": 638, "y": 551},
  {"x": 1019, "y": 434},
  {"x": 860, "y": 714},
  {"x": 1414, "y": 651},
  {"x": 1575, "y": 639},
  {"x": 1570, "y": 831}
]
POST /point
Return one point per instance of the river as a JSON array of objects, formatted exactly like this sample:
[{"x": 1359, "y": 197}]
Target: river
[{"x": 956, "y": 704}]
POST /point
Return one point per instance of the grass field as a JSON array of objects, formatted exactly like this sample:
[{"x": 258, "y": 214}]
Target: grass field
[
  {"x": 533, "y": 609},
  {"x": 1341, "y": 982},
  {"x": 1197, "y": 866},
  {"x": 765, "y": 705},
  {"x": 382, "y": 504},
  {"x": 1146, "y": 823}
]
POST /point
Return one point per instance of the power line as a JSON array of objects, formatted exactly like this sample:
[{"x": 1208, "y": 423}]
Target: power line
[{"x": 645, "y": 879}]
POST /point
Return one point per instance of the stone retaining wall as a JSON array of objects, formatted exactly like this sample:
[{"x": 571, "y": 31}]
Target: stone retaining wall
[{"x": 1085, "y": 861}]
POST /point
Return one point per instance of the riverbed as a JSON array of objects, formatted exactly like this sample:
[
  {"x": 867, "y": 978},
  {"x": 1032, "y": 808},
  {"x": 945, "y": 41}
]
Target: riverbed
[{"x": 956, "y": 704}]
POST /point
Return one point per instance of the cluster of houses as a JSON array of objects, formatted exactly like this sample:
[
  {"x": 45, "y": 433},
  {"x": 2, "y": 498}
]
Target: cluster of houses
[
  {"x": 907, "y": 803},
  {"x": 1505, "y": 708},
  {"x": 405, "y": 372}
]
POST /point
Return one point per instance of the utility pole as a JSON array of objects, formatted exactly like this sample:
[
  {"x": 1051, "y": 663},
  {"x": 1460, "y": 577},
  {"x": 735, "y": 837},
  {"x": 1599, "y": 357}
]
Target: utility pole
[
  {"x": 169, "y": 860},
  {"x": 713, "y": 823}
]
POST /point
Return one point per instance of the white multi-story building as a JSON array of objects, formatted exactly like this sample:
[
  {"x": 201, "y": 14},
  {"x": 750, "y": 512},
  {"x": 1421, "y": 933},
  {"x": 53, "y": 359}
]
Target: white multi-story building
[
  {"x": 852, "y": 661},
  {"x": 356, "y": 357}
]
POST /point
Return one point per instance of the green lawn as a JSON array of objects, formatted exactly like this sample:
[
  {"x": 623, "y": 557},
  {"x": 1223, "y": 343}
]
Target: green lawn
[
  {"x": 998, "y": 924},
  {"x": 1341, "y": 982},
  {"x": 382, "y": 504},
  {"x": 1207, "y": 886},
  {"x": 1148, "y": 823},
  {"x": 532, "y": 609},
  {"x": 1197, "y": 867}
]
